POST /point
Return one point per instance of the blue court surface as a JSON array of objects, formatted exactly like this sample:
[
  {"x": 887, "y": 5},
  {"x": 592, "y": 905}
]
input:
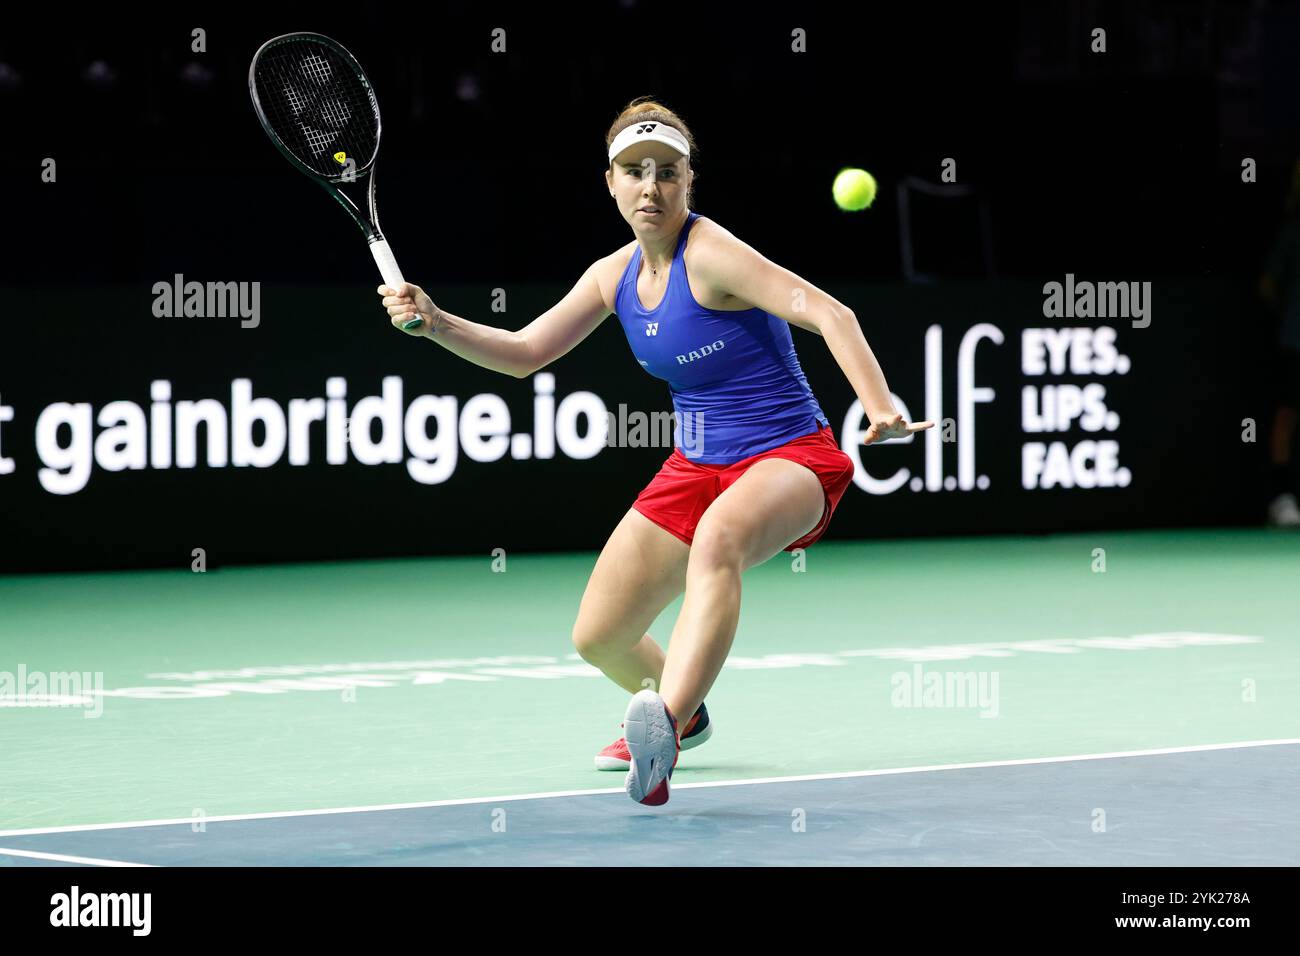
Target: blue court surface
[{"x": 1213, "y": 806}]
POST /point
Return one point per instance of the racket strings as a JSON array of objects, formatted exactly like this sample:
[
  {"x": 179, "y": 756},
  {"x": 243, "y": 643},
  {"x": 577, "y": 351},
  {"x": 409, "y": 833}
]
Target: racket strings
[{"x": 318, "y": 104}]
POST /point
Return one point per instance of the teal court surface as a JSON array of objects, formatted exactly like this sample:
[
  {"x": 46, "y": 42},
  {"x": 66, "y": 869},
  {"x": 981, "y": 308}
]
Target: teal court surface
[{"x": 979, "y": 701}]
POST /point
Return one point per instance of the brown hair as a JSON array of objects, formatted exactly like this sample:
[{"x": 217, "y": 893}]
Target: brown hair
[{"x": 646, "y": 108}]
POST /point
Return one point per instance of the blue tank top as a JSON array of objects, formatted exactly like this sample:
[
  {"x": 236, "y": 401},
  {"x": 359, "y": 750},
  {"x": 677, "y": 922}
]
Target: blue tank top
[{"x": 736, "y": 383}]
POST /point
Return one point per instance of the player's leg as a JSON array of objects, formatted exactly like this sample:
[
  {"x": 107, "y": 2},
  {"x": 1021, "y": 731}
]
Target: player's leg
[
  {"x": 775, "y": 502},
  {"x": 640, "y": 571}
]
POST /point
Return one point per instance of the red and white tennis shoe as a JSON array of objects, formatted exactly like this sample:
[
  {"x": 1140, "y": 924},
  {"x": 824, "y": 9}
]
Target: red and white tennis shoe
[
  {"x": 650, "y": 730},
  {"x": 616, "y": 757}
]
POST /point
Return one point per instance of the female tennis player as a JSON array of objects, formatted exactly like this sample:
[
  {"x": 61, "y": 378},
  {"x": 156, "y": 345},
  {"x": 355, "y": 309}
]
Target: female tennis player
[{"x": 760, "y": 471}]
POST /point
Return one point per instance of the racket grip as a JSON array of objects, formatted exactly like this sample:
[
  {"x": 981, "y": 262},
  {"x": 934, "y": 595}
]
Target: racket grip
[
  {"x": 387, "y": 264},
  {"x": 388, "y": 269}
]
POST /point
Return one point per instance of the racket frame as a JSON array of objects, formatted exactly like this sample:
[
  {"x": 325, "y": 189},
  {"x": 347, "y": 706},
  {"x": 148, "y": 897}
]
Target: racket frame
[{"x": 367, "y": 221}]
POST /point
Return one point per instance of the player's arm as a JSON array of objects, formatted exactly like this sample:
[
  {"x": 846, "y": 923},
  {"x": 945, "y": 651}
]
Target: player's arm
[
  {"x": 730, "y": 266},
  {"x": 520, "y": 353},
  {"x": 560, "y": 328}
]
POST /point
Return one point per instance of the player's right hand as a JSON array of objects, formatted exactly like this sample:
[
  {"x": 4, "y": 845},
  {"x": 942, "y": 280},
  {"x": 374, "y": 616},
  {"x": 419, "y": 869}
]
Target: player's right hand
[{"x": 407, "y": 302}]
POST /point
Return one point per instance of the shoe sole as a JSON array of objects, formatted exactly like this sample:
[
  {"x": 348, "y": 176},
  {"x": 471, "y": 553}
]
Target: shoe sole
[
  {"x": 653, "y": 745},
  {"x": 606, "y": 762}
]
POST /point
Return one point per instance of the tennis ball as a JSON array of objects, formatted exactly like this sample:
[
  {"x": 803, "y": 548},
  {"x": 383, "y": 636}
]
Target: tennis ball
[{"x": 854, "y": 189}]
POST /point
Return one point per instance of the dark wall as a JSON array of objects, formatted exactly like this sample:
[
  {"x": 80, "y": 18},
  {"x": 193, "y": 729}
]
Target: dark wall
[
  {"x": 1129, "y": 159},
  {"x": 1178, "y": 432}
]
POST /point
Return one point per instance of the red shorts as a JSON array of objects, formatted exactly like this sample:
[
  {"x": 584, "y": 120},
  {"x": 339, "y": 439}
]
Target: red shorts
[{"x": 678, "y": 495}]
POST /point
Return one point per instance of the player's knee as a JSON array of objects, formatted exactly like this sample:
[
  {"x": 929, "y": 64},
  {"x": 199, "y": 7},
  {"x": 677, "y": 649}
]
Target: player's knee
[
  {"x": 592, "y": 643},
  {"x": 585, "y": 643},
  {"x": 717, "y": 544}
]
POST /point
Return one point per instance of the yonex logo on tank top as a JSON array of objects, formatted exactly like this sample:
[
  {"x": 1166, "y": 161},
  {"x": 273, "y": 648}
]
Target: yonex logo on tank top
[
  {"x": 694, "y": 354},
  {"x": 652, "y": 328}
]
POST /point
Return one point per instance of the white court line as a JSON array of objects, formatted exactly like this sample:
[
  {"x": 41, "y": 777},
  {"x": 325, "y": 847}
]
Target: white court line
[
  {"x": 61, "y": 858},
  {"x": 463, "y": 801}
]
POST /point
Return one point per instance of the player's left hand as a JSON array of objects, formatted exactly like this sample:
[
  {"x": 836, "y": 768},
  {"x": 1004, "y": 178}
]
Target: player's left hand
[{"x": 886, "y": 428}]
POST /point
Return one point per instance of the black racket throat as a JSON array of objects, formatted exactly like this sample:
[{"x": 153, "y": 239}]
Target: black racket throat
[{"x": 364, "y": 212}]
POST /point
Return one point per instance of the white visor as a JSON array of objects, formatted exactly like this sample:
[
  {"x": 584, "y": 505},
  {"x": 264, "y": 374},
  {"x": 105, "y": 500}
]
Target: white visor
[{"x": 649, "y": 132}]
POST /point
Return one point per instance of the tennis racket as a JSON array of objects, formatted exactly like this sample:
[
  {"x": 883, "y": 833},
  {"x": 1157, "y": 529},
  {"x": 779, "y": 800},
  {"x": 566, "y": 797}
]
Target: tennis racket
[{"x": 314, "y": 101}]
